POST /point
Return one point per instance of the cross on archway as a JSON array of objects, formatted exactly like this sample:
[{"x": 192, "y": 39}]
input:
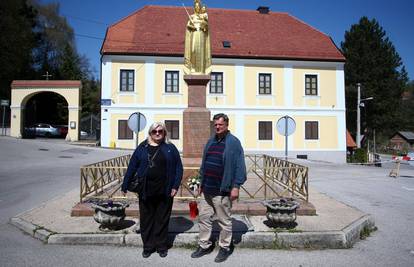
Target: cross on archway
[{"x": 47, "y": 75}]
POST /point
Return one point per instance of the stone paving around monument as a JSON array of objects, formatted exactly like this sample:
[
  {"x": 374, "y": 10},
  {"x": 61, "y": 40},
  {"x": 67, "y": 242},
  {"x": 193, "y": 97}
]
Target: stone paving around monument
[{"x": 336, "y": 225}]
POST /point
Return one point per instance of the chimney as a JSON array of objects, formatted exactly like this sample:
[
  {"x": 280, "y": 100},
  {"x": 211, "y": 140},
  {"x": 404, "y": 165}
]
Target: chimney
[{"x": 263, "y": 9}]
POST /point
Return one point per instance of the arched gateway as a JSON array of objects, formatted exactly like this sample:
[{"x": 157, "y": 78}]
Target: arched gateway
[{"x": 22, "y": 91}]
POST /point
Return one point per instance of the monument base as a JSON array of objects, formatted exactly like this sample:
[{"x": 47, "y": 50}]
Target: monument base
[
  {"x": 196, "y": 118},
  {"x": 196, "y": 131}
]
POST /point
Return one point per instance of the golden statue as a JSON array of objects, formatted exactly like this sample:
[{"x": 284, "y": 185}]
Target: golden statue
[{"x": 197, "y": 55}]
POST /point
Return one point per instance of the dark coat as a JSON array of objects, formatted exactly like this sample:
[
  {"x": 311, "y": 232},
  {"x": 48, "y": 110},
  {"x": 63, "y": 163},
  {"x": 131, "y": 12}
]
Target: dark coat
[
  {"x": 233, "y": 160},
  {"x": 139, "y": 165}
]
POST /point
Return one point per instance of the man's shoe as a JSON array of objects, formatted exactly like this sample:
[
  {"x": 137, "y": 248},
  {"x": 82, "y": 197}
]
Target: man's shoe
[
  {"x": 147, "y": 253},
  {"x": 222, "y": 255},
  {"x": 201, "y": 252},
  {"x": 163, "y": 253}
]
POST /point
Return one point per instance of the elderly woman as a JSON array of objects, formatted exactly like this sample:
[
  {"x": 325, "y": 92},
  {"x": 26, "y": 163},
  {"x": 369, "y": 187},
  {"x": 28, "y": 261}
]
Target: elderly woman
[{"x": 158, "y": 165}]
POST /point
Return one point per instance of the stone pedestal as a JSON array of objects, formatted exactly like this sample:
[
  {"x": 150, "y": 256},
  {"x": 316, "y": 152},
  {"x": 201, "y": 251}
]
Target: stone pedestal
[
  {"x": 196, "y": 121},
  {"x": 196, "y": 118}
]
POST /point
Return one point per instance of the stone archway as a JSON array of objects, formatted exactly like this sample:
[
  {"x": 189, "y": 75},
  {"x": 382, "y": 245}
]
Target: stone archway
[{"x": 22, "y": 91}]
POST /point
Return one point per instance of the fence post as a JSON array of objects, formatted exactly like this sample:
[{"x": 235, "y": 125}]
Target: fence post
[{"x": 265, "y": 166}]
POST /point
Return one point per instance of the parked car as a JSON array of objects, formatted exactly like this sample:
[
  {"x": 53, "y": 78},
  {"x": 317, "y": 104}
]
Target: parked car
[
  {"x": 42, "y": 129},
  {"x": 29, "y": 132},
  {"x": 63, "y": 130},
  {"x": 83, "y": 134}
]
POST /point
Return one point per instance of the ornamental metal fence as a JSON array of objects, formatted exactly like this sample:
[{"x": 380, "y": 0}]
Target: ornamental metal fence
[{"x": 267, "y": 178}]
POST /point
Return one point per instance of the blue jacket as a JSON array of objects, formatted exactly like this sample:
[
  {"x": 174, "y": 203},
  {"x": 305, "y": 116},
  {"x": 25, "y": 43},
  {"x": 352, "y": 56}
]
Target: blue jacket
[
  {"x": 139, "y": 164},
  {"x": 234, "y": 174}
]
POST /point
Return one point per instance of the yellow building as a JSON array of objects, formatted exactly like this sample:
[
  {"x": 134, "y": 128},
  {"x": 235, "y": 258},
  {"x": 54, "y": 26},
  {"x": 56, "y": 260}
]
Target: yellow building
[{"x": 265, "y": 65}]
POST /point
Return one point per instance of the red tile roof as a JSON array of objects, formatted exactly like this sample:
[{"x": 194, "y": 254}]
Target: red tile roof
[
  {"x": 160, "y": 30},
  {"x": 350, "y": 141},
  {"x": 46, "y": 83}
]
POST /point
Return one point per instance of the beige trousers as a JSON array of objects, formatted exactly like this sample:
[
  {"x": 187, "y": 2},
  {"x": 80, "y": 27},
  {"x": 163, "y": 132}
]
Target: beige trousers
[{"x": 215, "y": 208}]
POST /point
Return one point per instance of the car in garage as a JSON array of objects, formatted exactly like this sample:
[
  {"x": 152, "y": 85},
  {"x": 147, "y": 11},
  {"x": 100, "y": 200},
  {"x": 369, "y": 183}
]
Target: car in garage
[
  {"x": 63, "y": 130},
  {"x": 84, "y": 134},
  {"x": 43, "y": 129}
]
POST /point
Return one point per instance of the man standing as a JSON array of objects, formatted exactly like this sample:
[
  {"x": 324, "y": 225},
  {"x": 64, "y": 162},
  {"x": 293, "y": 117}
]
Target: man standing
[{"x": 223, "y": 171}]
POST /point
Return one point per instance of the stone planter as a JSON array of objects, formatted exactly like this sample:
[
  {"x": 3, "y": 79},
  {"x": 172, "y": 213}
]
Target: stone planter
[
  {"x": 109, "y": 214},
  {"x": 281, "y": 210}
]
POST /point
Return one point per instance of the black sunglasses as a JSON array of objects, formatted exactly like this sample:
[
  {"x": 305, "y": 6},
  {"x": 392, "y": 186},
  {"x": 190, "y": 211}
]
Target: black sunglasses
[{"x": 157, "y": 131}]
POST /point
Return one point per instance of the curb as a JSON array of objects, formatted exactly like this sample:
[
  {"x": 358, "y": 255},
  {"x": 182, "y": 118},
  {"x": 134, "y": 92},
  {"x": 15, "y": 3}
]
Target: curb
[
  {"x": 353, "y": 231},
  {"x": 344, "y": 238},
  {"x": 87, "y": 239}
]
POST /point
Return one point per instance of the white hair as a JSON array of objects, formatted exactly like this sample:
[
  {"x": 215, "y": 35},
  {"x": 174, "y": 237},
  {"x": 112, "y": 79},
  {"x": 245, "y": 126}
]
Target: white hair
[{"x": 154, "y": 126}]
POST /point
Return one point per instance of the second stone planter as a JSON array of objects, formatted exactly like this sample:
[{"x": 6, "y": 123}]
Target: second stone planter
[
  {"x": 281, "y": 210},
  {"x": 109, "y": 214}
]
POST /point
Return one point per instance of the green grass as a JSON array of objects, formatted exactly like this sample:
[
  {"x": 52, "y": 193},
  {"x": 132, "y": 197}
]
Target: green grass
[{"x": 366, "y": 232}]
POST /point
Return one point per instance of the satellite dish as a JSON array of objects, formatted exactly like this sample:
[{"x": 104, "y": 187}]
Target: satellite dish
[{"x": 137, "y": 122}]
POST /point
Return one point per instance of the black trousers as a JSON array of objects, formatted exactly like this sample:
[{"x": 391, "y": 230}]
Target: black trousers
[{"x": 154, "y": 216}]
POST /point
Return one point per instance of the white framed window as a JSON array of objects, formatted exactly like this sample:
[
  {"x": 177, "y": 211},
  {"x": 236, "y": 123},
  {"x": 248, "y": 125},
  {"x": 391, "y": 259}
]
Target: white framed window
[
  {"x": 172, "y": 81},
  {"x": 126, "y": 80},
  {"x": 264, "y": 84},
  {"x": 216, "y": 83},
  {"x": 265, "y": 129},
  {"x": 311, "y": 130},
  {"x": 311, "y": 85},
  {"x": 124, "y": 133},
  {"x": 173, "y": 128}
]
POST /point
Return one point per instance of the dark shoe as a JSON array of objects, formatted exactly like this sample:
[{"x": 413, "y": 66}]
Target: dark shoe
[
  {"x": 163, "y": 253},
  {"x": 201, "y": 252},
  {"x": 222, "y": 255},
  {"x": 147, "y": 253}
]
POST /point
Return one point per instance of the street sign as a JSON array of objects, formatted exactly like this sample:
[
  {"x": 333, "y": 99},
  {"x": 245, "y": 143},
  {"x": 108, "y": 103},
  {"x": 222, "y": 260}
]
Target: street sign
[
  {"x": 286, "y": 126},
  {"x": 4, "y": 102},
  {"x": 106, "y": 102},
  {"x": 137, "y": 122}
]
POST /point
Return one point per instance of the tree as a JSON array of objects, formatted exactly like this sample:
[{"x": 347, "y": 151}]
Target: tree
[
  {"x": 17, "y": 20},
  {"x": 91, "y": 97},
  {"x": 70, "y": 68},
  {"x": 36, "y": 39},
  {"x": 56, "y": 42},
  {"x": 407, "y": 108},
  {"x": 372, "y": 60}
]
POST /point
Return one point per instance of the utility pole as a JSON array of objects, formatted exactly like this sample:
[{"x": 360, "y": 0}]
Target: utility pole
[
  {"x": 359, "y": 105},
  {"x": 358, "y": 131}
]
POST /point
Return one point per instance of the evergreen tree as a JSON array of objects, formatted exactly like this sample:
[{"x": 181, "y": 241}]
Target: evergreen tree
[
  {"x": 36, "y": 39},
  {"x": 91, "y": 97},
  {"x": 69, "y": 69},
  {"x": 407, "y": 109},
  {"x": 17, "y": 20},
  {"x": 372, "y": 60},
  {"x": 56, "y": 41}
]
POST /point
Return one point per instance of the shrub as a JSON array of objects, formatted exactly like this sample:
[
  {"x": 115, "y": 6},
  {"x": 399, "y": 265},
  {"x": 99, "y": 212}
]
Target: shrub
[{"x": 359, "y": 156}]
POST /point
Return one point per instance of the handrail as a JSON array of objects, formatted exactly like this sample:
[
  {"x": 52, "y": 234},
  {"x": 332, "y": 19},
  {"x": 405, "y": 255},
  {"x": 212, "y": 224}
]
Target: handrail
[
  {"x": 267, "y": 177},
  {"x": 96, "y": 177}
]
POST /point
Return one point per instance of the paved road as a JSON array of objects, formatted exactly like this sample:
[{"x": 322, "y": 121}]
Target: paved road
[{"x": 33, "y": 171}]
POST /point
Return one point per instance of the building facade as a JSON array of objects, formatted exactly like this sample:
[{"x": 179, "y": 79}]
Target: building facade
[{"x": 265, "y": 65}]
